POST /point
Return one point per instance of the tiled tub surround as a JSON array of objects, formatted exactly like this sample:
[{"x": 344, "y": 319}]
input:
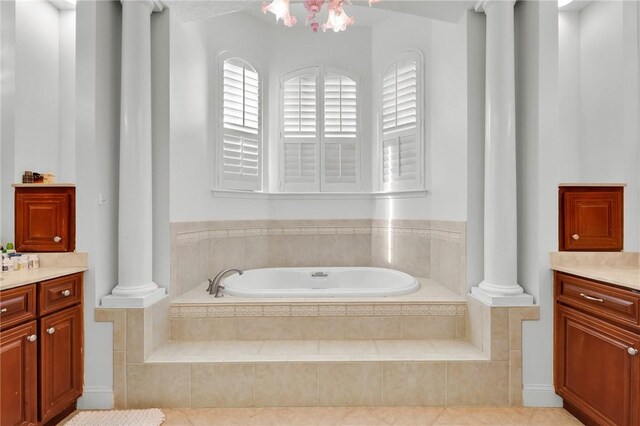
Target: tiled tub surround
[
  {"x": 430, "y": 249},
  {"x": 314, "y": 371}
]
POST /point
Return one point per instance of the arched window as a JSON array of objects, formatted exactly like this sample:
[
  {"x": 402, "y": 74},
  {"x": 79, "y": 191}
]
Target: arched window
[
  {"x": 319, "y": 132},
  {"x": 240, "y": 153},
  {"x": 402, "y": 142}
]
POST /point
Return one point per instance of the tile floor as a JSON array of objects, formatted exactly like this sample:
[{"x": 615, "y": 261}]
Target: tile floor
[{"x": 370, "y": 416}]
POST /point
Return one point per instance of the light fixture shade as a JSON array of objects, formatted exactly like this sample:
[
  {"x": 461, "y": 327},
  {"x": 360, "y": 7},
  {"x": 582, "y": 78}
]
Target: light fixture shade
[
  {"x": 563, "y": 3},
  {"x": 280, "y": 8},
  {"x": 337, "y": 20}
]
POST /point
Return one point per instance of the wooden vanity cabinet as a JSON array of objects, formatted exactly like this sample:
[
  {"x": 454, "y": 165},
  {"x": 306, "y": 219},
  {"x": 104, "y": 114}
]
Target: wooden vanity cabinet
[
  {"x": 42, "y": 355},
  {"x": 591, "y": 218},
  {"x": 45, "y": 218},
  {"x": 597, "y": 351}
]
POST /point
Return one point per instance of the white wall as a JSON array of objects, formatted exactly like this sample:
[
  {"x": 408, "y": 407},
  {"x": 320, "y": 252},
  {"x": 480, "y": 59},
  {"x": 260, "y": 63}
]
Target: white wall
[
  {"x": 67, "y": 97},
  {"x": 609, "y": 104},
  {"x": 279, "y": 50},
  {"x": 98, "y": 41},
  {"x": 444, "y": 47},
  {"x": 37, "y": 123}
]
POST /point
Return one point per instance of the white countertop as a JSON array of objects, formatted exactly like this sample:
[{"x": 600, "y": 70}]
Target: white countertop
[
  {"x": 621, "y": 269},
  {"x": 19, "y": 278}
]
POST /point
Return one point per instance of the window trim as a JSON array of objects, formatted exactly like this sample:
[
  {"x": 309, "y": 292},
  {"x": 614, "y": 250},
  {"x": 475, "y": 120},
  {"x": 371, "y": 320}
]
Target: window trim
[
  {"x": 320, "y": 186},
  {"x": 219, "y": 180},
  {"x": 418, "y": 184}
]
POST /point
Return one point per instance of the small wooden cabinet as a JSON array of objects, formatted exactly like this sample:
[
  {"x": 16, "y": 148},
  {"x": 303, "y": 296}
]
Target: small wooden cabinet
[
  {"x": 45, "y": 218},
  {"x": 591, "y": 218},
  {"x": 41, "y": 351},
  {"x": 597, "y": 351}
]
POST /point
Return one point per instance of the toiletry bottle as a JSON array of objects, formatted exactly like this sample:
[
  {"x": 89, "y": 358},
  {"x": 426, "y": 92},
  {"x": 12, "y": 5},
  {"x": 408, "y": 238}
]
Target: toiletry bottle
[
  {"x": 34, "y": 261},
  {"x": 6, "y": 264}
]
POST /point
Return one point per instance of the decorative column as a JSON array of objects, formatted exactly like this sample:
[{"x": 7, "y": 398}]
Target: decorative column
[
  {"x": 500, "y": 284},
  {"x": 135, "y": 232}
]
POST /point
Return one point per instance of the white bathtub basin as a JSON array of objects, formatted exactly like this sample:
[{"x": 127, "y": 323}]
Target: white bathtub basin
[{"x": 320, "y": 282}]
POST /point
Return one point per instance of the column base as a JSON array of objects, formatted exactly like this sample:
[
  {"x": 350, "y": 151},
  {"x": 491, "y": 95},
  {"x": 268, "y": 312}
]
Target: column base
[
  {"x": 115, "y": 301},
  {"x": 492, "y": 299}
]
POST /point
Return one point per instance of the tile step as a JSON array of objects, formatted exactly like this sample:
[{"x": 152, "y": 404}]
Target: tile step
[{"x": 259, "y": 351}]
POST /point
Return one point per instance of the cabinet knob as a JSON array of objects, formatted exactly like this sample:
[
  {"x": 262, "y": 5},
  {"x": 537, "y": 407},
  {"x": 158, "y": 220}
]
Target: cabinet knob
[
  {"x": 631, "y": 350},
  {"x": 51, "y": 330},
  {"x": 32, "y": 338},
  {"x": 66, "y": 293},
  {"x": 575, "y": 236},
  {"x": 3, "y": 310},
  {"x": 57, "y": 239}
]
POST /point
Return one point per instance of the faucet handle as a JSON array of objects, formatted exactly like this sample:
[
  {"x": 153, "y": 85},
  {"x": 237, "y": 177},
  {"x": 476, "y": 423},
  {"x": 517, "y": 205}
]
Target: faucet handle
[{"x": 210, "y": 285}]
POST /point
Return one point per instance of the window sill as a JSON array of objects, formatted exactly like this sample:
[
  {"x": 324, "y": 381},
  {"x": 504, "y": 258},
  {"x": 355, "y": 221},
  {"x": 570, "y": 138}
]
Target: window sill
[{"x": 259, "y": 195}]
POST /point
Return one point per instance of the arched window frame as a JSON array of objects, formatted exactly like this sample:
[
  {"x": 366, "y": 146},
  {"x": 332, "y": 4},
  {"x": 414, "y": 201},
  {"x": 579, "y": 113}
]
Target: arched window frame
[
  {"x": 321, "y": 182},
  {"x": 226, "y": 135},
  {"x": 394, "y": 136}
]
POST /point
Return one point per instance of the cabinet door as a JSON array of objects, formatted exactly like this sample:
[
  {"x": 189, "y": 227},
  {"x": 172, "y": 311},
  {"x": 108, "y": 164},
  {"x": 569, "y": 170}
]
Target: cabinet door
[
  {"x": 19, "y": 375},
  {"x": 594, "y": 371},
  {"x": 592, "y": 221},
  {"x": 44, "y": 219},
  {"x": 61, "y": 366}
]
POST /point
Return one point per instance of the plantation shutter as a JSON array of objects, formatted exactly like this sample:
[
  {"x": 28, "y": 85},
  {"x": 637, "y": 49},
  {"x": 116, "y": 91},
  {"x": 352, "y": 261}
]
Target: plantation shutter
[
  {"x": 340, "y": 150},
  {"x": 401, "y": 144},
  {"x": 241, "y": 133},
  {"x": 300, "y": 133}
]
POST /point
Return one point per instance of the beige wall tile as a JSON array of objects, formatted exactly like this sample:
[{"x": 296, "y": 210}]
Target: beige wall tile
[
  {"x": 361, "y": 250},
  {"x": 516, "y": 316},
  {"x": 499, "y": 334},
  {"x": 350, "y": 384},
  {"x": 515, "y": 378},
  {"x": 414, "y": 383},
  {"x": 158, "y": 385},
  {"x": 119, "y": 319},
  {"x": 474, "y": 322},
  {"x": 256, "y": 252},
  {"x": 461, "y": 327},
  {"x": 291, "y": 328},
  {"x": 161, "y": 323},
  {"x": 301, "y": 250},
  {"x": 335, "y": 250},
  {"x": 225, "y": 253},
  {"x": 429, "y": 327},
  {"x": 412, "y": 255},
  {"x": 478, "y": 383},
  {"x": 222, "y": 385},
  {"x": 374, "y": 327},
  {"x": 286, "y": 385},
  {"x": 119, "y": 380},
  {"x": 135, "y": 335},
  {"x": 192, "y": 264},
  {"x": 381, "y": 250},
  {"x": 324, "y": 328},
  {"x": 445, "y": 263},
  {"x": 204, "y": 328}
]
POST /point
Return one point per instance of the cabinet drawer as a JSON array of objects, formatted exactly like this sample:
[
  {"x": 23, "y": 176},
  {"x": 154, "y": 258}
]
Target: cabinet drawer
[
  {"x": 59, "y": 293},
  {"x": 598, "y": 298},
  {"x": 17, "y": 305}
]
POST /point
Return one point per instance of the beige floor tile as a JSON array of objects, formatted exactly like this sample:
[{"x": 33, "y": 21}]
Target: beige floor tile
[
  {"x": 484, "y": 416},
  {"x": 409, "y": 416},
  {"x": 289, "y": 347},
  {"x": 176, "y": 417},
  {"x": 552, "y": 416},
  {"x": 343, "y": 347},
  {"x": 362, "y": 416}
]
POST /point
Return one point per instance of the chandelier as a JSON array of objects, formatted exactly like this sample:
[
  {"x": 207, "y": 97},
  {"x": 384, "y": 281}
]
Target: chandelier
[{"x": 337, "y": 19}]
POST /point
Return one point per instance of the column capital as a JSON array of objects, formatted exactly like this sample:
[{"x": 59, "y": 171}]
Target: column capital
[
  {"x": 153, "y": 5},
  {"x": 484, "y": 5}
]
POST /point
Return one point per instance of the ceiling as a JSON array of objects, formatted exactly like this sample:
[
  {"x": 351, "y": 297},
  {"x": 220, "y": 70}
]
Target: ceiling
[{"x": 446, "y": 10}]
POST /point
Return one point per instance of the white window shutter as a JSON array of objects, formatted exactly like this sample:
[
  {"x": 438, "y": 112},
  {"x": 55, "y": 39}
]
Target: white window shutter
[
  {"x": 300, "y": 135},
  {"x": 241, "y": 133},
  {"x": 340, "y": 148},
  {"x": 401, "y": 137}
]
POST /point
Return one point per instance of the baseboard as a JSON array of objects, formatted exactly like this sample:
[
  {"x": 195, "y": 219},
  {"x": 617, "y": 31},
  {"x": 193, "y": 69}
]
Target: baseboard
[
  {"x": 96, "y": 398},
  {"x": 540, "y": 396}
]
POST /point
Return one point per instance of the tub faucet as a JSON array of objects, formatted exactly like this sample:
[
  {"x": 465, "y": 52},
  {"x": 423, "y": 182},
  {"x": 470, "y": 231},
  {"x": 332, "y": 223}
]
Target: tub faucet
[{"x": 214, "y": 284}]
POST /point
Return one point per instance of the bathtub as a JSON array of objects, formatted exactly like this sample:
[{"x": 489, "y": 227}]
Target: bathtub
[{"x": 320, "y": 282}]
